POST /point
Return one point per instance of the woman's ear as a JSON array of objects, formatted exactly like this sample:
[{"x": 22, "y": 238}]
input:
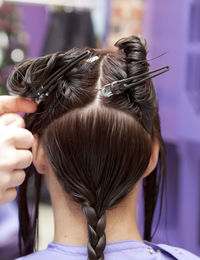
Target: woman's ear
[
  {"x": 39, "y": 157},
  {"x": 154, "y": 158}
]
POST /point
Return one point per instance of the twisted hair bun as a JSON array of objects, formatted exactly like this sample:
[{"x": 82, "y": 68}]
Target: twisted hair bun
[
  {"x": 135, "y": 48},
  {"x": 142, "y": 96}
]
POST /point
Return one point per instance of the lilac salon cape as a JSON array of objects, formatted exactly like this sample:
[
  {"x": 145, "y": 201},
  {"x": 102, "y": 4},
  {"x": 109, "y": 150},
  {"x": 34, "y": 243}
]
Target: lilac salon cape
[{"x": 124, "y": 250}]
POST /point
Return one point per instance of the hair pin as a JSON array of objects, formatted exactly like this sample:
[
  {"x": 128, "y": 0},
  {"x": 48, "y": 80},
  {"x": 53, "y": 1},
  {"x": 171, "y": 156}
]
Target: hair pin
[
  {"x": 47, "y": 88},
  {"x": 119, "y": 86}
]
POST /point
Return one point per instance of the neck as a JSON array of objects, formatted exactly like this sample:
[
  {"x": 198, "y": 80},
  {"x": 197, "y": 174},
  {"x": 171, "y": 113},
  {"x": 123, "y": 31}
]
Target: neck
[{"x": 71, "y": 226}]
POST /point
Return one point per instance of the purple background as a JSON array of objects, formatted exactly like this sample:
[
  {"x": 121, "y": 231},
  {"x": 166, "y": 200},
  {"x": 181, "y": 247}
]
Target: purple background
[{"x": 169, "y": 26}]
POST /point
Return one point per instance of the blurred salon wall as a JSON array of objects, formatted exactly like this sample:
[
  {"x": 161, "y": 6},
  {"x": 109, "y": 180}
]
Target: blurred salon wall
[{"x": 173, "y": 29}]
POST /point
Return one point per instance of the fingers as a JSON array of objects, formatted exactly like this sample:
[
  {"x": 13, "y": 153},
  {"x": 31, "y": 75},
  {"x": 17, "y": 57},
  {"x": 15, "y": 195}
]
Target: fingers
[
  {"x": 22, "y": 139},
  {"x": 14, "y": 119},
  {"x": 18, "y": 159},
  {"x": 7, "y": 196},
  {"x": 10, "y": 104},
  {"x": 23, "y": 159},
  {"x": 17, "y": 178},
  {"x": 16, "y": 137},
  {"x": 14, "y": 144},
  {"x": 11, "y": 179}
]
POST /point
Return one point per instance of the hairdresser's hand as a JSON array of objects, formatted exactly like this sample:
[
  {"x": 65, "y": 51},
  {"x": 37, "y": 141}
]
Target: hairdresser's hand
[{"x": 14, "y": 144}]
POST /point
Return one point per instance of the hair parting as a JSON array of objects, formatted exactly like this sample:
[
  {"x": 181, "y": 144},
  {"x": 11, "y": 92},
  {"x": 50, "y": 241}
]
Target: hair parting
[{"x": 98, "y": 146}]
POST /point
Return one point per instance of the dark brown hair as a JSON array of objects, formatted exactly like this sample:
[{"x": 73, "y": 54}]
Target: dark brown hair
[{"x": 99, "y": 147}]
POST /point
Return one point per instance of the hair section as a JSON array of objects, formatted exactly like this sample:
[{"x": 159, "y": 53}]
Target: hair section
[{"x": 99, "y": 147}]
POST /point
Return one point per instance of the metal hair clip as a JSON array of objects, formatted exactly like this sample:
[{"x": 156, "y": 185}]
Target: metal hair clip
[
  {"x": 47, "y": 88},
  {"x": 119, "y": 86}
]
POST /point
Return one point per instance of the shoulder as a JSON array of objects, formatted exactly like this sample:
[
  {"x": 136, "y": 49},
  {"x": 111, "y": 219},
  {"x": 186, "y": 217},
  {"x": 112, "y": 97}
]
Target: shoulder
[
  {"x": 179, "y": 253},
  {"x": 55, "y": 251},
  {"x": 122, "y": 250},
  {"x": 37, "y": 255},
  {"x": 175, "y": 252},
  {"x": 41, "y": 255}
]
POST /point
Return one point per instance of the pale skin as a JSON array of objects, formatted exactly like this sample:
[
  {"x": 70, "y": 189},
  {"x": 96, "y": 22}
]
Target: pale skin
[
  {"x": 15, "y": 142},
  {"x": 70, "y": 223}
]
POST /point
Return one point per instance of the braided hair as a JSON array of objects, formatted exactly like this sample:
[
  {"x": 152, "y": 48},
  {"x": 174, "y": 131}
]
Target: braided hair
[{"x": 99, "y": 147}]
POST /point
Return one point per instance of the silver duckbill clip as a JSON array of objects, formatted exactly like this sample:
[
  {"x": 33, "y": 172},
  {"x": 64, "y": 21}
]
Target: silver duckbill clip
[{"x": 119, "y": 86}]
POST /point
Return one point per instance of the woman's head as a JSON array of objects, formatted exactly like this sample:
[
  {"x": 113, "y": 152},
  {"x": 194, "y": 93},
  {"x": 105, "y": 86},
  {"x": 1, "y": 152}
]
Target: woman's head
[{"x": 98, "y": 147}]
